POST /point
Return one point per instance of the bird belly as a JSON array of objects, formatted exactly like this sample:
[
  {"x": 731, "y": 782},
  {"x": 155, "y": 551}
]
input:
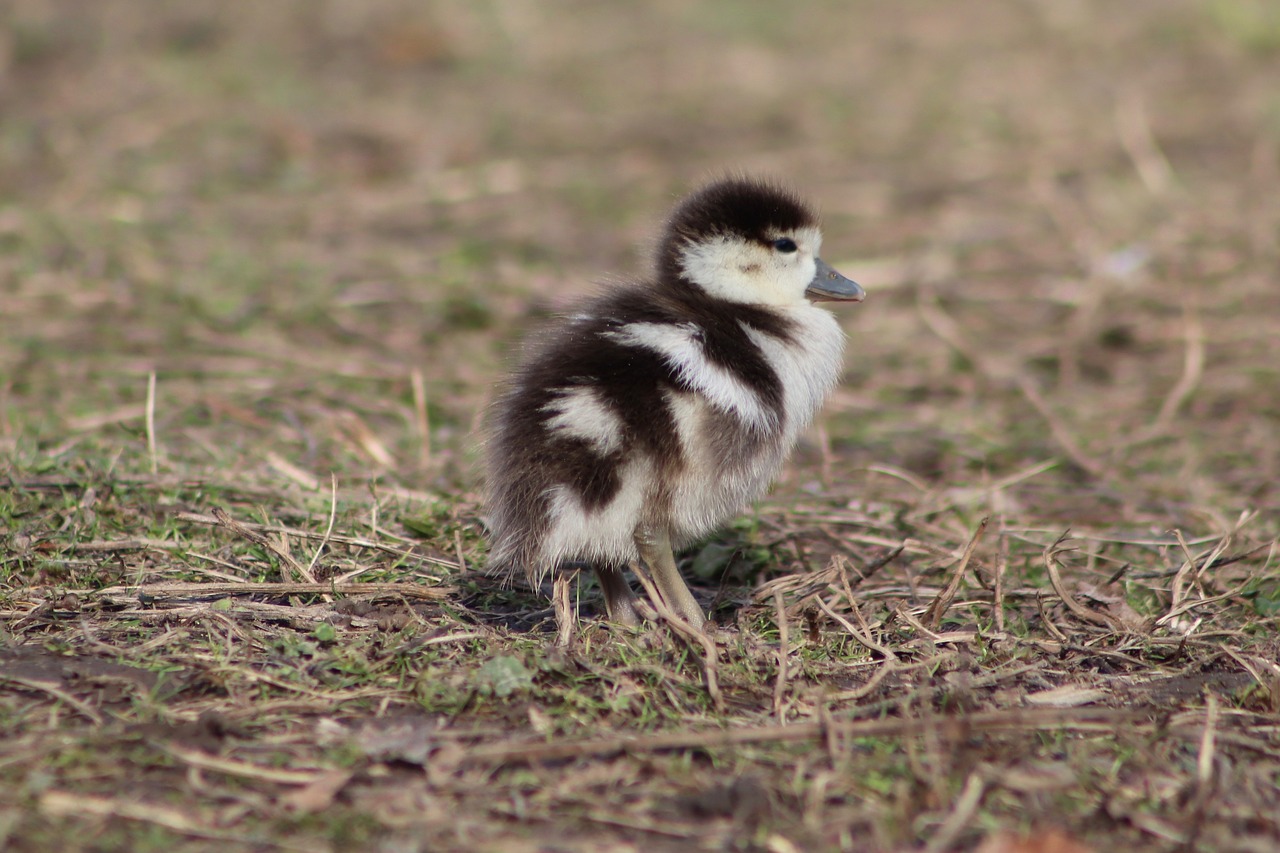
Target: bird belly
[
  {"x": 724, "y": 466},
  {"x": 603, "y": 535}
]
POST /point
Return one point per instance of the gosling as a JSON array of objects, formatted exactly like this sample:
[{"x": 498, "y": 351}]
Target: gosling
[{"x": 660, "y": 409}]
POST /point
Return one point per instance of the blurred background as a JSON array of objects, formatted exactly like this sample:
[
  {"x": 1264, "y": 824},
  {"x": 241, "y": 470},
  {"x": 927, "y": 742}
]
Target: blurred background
[
  {"x": 312, "y": 219},
  {"x": 245, "y": 245}
]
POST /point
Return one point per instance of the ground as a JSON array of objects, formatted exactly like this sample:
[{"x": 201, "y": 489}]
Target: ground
[{"x": 261, "y": 266}]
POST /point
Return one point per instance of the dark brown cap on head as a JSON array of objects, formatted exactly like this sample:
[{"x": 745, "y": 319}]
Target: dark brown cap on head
[{"x": 741, "y": 207}]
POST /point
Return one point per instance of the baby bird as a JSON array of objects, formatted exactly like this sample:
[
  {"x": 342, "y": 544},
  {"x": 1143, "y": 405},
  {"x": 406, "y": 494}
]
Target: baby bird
[{"x": 658, "y": 410}]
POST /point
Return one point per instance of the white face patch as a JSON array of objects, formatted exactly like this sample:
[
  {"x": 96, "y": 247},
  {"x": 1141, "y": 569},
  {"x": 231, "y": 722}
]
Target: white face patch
[
  {"x": 680, "y": 346},
  {"x": 581, "y": 413},
  {"x": 744, "y": 271}
]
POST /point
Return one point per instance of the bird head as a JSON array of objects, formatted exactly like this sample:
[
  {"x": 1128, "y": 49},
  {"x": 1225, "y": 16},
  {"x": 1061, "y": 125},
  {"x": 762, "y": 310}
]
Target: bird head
[{"x": 750, "y": 242}]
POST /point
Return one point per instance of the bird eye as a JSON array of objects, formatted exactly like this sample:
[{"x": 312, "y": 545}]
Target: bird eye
[{"x": 785, "y": 244}]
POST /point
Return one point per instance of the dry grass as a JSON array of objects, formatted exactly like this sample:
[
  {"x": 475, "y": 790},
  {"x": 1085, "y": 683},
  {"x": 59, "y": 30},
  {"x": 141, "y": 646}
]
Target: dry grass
[{"x": 260, "y": 266}]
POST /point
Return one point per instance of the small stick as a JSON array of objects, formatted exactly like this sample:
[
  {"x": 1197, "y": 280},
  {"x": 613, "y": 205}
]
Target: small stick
[
  {"x": 1204, "y": 763},
  {"x": 780, "y": 685},
  {"x": 1002, "y": 566},
  {"x": 373, "y": 510},
  {"x": 950, "y": 727},
  {"x": 1048, "y": 623},
  {"x": 566, "y": 617},
  {"x": 293, "y": 472},
  {"x": 824, "y": 444},
  {"x": 1178, "y": 590},
  {"x": 890, "y": 659},
  {"x": 933, "y": 616},
  {"x": 355, "y": 541},
  {"x": 104, "y": 547},
  {"x": 79, "y": 804},
  {"x": 1134, "y": 130},
  {"x": 1192, "y": 370},
  {"x": 1055, "y": 578},
  {"x": 685, "y": 630},
  {"x": 224, "y": 518},
  {"x": 151, "y": 423},
  {"x": 863, "y": 637},
  {"x": 966, "y": 805},
  {"x": 420, "y": 416},
  {"x": 167, "y": 591},
  {"x": 1180, "y": 587},
  {"x": 61, "y": 696},
  {"x": 243, "y": 769},
  {"x": 333, "y": 513},
  {"x": 1187, "y": 607}
]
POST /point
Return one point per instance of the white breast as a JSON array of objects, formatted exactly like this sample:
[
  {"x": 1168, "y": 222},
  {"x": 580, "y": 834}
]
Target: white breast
[
  {"x": 712, "y": 486},
  {"x": 808, "y": 367}
]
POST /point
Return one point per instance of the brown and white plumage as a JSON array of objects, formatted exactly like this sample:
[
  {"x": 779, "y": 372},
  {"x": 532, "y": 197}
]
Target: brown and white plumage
[{"x": 658, "y": 410}]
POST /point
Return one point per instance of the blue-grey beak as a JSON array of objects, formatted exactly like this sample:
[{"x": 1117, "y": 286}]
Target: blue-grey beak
[{"x": 828, "y": 285}]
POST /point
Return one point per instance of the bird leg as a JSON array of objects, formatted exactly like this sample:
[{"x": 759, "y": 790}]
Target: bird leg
[
  {"x": 619, "y": 601},
  {"x": 655, "y": 550}
]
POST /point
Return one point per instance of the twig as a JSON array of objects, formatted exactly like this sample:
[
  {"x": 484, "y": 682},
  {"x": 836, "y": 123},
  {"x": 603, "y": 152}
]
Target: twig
[
  {"x": 933, "y": 616},
  {"x": 457, "y": 549},
  {"x": 1192, "y": 370},
  {"x": 355, "y": 541},
  {"x": 927, "y": 633},
  {"x": 872, "y": 568},
  {"x": 1256, "y": 667},
  {"x": 1134, "y": 130},
  {"x": 420, "y": 416},
  {"x": 124, "y": 545},
  {"x": 333, "y": 514},
  {"x": 374, "y": 507},
  {"x": 178, "y": 591},
  {"x": 1055, "y": 578},
  {"x": 966, "y": 805},
  {"x": 952, "y": 727},
  {"x": 243, "y": 769},
  {"x": 780, "y": 684},
  {"x": 1048, "y": 622},
  {"x": 688, "y": 632},
  {"x": 566, "y": 616},
  {"x": 293, "y": 472},
  {"x": 1204, "y": 763},
  {"x": 1180, "y": 585},
  {"x": 899, "y": 474},
  {"x": 151, "y": 423},
  {"x": 224, "y": 519},
  {"x": 1188, "y": 606},
  {"x": 60, "y": 695},
  {"x": 78, "y": 803},
  {"x": 890, "y": 658},
  {"x": 1002, "y": 567}
]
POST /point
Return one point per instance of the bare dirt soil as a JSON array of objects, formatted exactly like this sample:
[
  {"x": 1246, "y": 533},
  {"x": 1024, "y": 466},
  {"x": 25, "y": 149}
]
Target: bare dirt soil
[{"x": 261, "y": 266}]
